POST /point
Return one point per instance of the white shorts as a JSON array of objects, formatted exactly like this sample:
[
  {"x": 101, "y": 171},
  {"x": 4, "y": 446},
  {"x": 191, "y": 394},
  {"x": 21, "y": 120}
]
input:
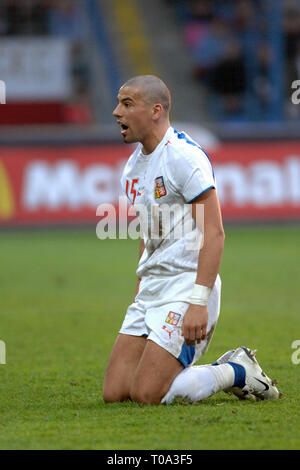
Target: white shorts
[{"x": 159, "y": 308}]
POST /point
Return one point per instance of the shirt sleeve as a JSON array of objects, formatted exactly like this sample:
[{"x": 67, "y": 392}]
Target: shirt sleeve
[{"x": 192, "y": 174}]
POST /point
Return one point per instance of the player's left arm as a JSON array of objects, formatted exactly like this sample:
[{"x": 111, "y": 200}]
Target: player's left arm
[{"x": 196, "y": 318}]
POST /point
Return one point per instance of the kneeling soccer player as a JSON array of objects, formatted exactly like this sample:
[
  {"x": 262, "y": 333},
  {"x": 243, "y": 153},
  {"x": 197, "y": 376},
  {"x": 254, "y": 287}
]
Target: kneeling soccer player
[{"x": 170, "y": 324}]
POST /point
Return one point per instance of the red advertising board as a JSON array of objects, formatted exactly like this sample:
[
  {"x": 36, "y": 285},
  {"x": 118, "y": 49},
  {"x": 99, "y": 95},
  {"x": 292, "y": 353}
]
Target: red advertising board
[
  {"x": 52, "y": 185},
  {"x": 259, "y": 180},
  {"x": 58, "y": 185}
]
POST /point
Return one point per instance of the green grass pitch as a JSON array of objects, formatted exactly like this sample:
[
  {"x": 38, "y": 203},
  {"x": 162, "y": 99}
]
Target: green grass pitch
[{"x": 63, "y": 295}]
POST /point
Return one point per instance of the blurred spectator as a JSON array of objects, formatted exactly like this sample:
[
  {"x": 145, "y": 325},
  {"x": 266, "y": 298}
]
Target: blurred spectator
[
  {"x": 64, "y": 20},
  {"x": 80, "y": 70},
  {"x": 3, "y": 20},
  {"x": 292, "y": 52},
  {"x": 292, "y": 38},
  {"x": 201, "y": 15},
  {"x": 37, "y": 17},
  {"x": 225, "y": 10},
  {"x": 201, "y": 11},
  {"x": 15, "y": 17},
  {"x": 210, "y": 48},
  {"x": 228, "y": 79},
  {"x": 297, "y": 61},
  {"x": 28, "y": 17},
  {"x": 262, "y": 86},
  {"x": 243, "y": 15},
  {"x": 230, "y": 43},
  {"x": 39, "y": 12}
]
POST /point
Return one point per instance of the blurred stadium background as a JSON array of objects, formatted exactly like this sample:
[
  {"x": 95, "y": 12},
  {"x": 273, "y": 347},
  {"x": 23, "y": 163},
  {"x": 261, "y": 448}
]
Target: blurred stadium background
[{"x": 232, "y": 68}]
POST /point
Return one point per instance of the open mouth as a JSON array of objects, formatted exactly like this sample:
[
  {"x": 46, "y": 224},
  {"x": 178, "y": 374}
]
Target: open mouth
[{"x": 124, "y": 129}]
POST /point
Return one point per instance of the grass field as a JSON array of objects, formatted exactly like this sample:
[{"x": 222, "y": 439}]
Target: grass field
[{"x": 63, "y": 295}]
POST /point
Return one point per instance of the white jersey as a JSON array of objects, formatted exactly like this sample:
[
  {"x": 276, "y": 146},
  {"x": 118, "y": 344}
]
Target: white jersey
[{"x": 175, "y": 173}]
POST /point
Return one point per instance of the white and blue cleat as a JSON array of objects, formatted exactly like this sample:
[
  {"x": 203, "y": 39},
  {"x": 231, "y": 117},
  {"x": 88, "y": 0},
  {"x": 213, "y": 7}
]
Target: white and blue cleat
[{"x": 258, "y": 386}]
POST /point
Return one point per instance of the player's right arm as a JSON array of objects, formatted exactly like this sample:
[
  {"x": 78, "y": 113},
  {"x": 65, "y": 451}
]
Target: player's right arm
[{"x": 142, "y": 247}]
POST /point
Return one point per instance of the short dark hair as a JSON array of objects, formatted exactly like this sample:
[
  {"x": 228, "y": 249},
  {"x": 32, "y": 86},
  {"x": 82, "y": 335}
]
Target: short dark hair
[{"x": 153, "y": 88}]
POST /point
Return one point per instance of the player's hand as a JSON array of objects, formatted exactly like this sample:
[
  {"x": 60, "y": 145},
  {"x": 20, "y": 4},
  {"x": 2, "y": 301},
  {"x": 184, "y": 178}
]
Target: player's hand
[{"x": 194, "y": 324}]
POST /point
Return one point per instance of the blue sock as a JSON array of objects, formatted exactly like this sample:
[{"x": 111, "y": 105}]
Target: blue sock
[{"x": 239, "y": 375}]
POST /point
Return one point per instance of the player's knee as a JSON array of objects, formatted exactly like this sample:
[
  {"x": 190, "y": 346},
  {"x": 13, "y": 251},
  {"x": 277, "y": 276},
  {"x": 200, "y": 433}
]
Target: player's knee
[
  {"x": 111, "y": 396},
  {"x": 146, "y": 396}
]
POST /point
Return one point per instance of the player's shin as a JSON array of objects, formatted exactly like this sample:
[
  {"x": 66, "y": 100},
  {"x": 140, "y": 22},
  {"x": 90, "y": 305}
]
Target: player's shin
[{"x": 198, "y": 382}]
